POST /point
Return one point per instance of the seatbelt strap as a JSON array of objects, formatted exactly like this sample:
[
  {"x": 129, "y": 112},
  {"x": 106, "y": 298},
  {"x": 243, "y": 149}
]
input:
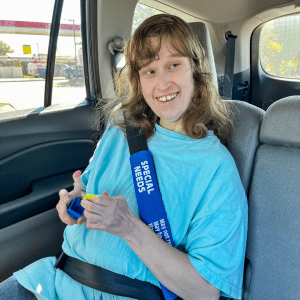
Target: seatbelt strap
[
  {"x": 229, "y": 65},
  {"x": 107, "y": 281},
  {"x": 149, "y": 199}
]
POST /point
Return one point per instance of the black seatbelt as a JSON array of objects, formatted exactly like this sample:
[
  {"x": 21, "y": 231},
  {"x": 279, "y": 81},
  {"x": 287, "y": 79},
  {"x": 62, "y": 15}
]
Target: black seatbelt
[
  {"x": 229, "y": 65},
  {"x": 107, "y": 281},
  {"x": 136, "y": 140}
]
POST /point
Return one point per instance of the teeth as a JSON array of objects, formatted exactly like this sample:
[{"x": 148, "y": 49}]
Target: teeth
[{"x": 168, "y": 98}]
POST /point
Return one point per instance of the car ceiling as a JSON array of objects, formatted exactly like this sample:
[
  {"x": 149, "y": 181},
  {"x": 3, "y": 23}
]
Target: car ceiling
[{"x": 221, "y": 11}]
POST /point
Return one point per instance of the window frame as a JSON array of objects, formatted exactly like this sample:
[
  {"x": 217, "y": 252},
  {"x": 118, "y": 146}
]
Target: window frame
[
  {"x": 266, "y": 89},
  {"x": 260, "y": 28}
]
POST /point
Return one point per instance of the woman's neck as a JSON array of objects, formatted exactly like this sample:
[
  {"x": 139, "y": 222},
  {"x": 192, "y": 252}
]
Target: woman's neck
[{"x": 176, "y": 126}]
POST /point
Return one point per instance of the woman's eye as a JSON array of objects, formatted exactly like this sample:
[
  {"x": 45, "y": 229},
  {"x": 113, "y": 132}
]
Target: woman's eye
[
  {"x": 149, "y": 72},
  {"x": 175, "y": 65}
]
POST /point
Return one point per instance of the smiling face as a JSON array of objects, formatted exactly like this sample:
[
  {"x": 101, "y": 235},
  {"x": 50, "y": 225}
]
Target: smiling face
[{"x": 167, "y": 85}]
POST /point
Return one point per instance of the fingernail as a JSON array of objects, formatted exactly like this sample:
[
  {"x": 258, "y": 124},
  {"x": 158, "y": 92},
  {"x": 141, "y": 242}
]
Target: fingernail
[{"x": 61, "y": 192}]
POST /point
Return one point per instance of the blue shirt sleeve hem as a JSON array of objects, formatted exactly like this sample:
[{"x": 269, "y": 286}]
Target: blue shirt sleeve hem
[{"x": 226, "y": 289}]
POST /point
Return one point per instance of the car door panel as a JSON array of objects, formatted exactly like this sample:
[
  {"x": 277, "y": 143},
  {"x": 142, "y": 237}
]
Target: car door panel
[
  {"x": 20, "y": 170},
  {"x": 29, "y": 240},
  {"x": 42, "y": 197},
  {"x": 39, "y": 152},
  {"x": 21, "y": 131}
]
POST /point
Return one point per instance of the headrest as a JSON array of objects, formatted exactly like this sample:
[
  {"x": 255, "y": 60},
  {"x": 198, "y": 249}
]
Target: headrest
[
  {"x": 245, "y": 139},
  {"x": 281, "y": 123},
  {"x": 200, "y": 29}
]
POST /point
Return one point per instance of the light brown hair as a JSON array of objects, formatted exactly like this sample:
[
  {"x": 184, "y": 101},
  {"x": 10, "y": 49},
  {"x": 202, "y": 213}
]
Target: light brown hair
[{"x": 206, "y": 111}]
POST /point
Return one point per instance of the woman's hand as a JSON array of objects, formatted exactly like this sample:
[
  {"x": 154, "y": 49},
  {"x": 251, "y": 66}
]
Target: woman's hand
[
  {"x": 110, "y": 214},
  {"x": 65, "y": 198}
]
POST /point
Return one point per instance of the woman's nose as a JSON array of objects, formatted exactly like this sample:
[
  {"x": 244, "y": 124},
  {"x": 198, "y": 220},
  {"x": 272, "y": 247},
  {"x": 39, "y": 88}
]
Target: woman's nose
[{"x": 163, "y": 80}]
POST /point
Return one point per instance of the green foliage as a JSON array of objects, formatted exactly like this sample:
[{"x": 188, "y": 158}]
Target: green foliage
[
  {"x": 142, "y": 12},
  {"x": 288, "y": 67},
  {"x": 4, "y": 48},
  {"x": 274, "y": 46},
  {"x": 269, "y": 49},
  {"x": 275, "y": 55}
]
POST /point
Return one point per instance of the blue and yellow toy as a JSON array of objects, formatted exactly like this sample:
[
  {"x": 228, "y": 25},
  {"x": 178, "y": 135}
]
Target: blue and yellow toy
[{"x": 75, "y": 210}]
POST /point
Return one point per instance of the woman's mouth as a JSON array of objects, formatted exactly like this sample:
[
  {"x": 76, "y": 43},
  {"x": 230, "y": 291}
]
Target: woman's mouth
[{"x": 167, "y": 98}]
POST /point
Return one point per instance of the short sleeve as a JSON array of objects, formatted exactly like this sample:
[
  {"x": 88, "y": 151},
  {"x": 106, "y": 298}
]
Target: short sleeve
[
  {"x": 216, "y": 240},
  {"x": 86, "y": 173}
]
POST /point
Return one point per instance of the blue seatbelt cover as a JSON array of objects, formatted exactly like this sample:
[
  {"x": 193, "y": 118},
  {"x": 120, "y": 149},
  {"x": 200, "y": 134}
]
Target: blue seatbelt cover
[{"x": 149, "y": 200}]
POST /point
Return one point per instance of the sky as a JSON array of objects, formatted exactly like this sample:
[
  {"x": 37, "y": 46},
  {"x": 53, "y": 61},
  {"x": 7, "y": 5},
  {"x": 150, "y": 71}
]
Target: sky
[{"x": 39, "y": 11}]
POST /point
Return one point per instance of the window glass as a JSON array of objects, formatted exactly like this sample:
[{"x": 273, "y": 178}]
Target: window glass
[
  {"x": 280, "y": 47},
  {"x": 24, "y": 41},
  {"x": 69, "y": 85},
  {"x": 141, "y": 13},
  {"x": 24, "y": 38}
]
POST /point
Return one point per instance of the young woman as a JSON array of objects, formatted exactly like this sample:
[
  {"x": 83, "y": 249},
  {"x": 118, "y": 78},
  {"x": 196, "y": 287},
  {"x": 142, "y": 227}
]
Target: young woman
[{"x": 165, "y": 88}]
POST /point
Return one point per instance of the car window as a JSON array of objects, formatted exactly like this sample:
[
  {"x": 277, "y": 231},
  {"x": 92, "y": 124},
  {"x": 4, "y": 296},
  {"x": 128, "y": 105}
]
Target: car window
[
  {"x": 69, "y": 84},
  {"x": 141, "y": 13},
  {"x": 24, "y": 41},
  {"x": 280, "y": 47}
]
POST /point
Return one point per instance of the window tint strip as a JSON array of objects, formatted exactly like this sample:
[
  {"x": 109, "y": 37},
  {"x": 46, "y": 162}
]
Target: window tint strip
[
  {"x": 52, "y": 51},
  {"x": 93, "y": 42},
  {"x": 84, "y": 47}
]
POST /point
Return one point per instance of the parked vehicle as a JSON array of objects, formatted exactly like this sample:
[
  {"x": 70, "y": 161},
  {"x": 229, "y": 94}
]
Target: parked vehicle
[
  {"x": 58, "y": 72},
  {"x": 71, "y": 72},
  {"x": 37, "y": 69}
]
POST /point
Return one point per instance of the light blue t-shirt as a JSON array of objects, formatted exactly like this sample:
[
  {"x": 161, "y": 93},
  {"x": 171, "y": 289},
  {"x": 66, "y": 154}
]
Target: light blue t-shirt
[{"x": 204, "y": 200}]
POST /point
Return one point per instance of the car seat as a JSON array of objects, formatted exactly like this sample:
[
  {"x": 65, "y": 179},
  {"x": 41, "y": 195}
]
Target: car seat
[
  {"x": 247, "y": 122},
  {"x": 273, "y": 237}
]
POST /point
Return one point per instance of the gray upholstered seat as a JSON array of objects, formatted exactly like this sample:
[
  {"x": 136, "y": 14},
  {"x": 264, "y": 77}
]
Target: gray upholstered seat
[
  {"x": 266, "y": 149},
  {"x": 273, "y": 270},
  {"x": 245, "y": 139},
  {"x": 247, "y": 121},
  {"x": 201, "y": 31}
]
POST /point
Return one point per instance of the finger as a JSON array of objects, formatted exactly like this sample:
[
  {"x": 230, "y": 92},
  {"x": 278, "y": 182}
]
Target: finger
[
  {"x": 78, "y": 184},
  {"x": 69, "y": 221},
  {"x": 65, "y": 199},
  {"x": 81, "y": 220},
  {"x": 65, "y": 217},
  {"x": 98, "y": 201},
  {"x": 92, "y": 217},
  {"x": 64, "y": 196}
]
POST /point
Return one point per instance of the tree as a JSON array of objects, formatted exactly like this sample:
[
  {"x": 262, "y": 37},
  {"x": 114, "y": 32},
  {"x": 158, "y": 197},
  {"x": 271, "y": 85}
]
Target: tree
[
  {"x": 142, "y": 12},
  {"x": 269, "y": 49},
  {"x": 4, "y": 48},
  {"x": 278, "y": 43}
]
